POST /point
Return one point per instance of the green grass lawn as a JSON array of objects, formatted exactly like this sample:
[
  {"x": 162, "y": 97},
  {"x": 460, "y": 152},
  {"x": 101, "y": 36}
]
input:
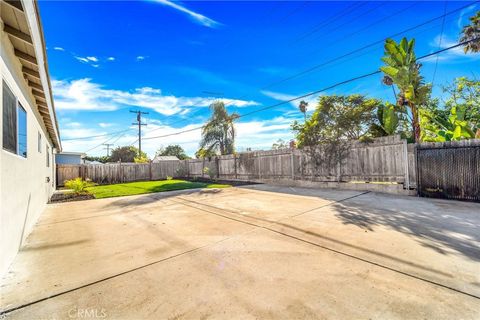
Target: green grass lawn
[{"x": 131, "y": 188}]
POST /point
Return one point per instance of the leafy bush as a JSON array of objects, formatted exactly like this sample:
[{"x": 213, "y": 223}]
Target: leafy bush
[
  {"x": 141, "y": 159},
  {"x": 78, "y": 185},
  {"x": 210, "y": 172}
]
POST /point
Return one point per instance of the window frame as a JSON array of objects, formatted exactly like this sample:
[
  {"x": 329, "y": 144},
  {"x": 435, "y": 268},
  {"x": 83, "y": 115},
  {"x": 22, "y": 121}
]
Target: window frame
[
  {"x": 47, "y": 152},
  {"x": 18, "y": 106},
  {"x": 39, "y": 142}
]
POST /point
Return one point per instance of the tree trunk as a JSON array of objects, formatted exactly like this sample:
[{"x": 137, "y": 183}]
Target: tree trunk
[{"x": 415, "y": 123}]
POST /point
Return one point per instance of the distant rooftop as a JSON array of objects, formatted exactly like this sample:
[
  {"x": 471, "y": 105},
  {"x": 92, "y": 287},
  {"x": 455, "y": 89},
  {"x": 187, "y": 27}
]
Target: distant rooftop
[{"x": 164, "y": 158}]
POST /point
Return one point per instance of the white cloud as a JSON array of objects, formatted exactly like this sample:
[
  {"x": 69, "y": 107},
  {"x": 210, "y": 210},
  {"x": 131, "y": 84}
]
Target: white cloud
[
  {"x": 83, "y": 94},
  {"x": 111, "y": 58},
  {"x": 90, "y": 60},
  {"x": 255, "y": 134},
  {"x": 140, "y": 58},
  {"x": 105, "y": 124},
  {"x": 451, "y": 55},
  {"x": 73, "y": 124},
  {"x": 58, "y": 48},
  {"x": 197, "y": 17},
  {"x": 82, "y": 59}
]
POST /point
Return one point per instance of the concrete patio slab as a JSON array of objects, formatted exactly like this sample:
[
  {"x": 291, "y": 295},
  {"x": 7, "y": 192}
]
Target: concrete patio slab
[{"x": 250, "y": 253}]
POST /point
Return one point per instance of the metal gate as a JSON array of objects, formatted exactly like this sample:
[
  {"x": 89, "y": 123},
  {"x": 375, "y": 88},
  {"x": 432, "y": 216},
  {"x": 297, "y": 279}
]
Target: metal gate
[{"x": 451, "y": 172}]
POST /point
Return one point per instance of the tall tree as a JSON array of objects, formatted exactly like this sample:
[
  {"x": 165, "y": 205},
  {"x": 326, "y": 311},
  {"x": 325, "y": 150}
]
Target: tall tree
[
  {"x": 471, "y": 33},
  {"x": 402, "y": 67},
  {"x": 173, "y": 150},
  {"x": 458, "y": 118},
  {"x": 218, "y": 134},
  {"x": 126, "y": 154},
  {"x": 338, "y": 118},
  {"x": 204, "y": 153},
  {"x": 302, "y": 106}
]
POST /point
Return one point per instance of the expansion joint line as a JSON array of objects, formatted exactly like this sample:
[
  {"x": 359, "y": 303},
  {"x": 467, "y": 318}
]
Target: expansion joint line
[{"x": 323, "y": 246}]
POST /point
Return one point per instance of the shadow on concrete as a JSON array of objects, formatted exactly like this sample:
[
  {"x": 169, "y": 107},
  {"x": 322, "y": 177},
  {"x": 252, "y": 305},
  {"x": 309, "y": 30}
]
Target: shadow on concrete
[
  {"x": 325, "y": 194},
  {"x": 436, "y": 224},
  {"x": 132, "y": 201},
  {"x": 285, "y": 229},
  {"x": 53, "y": 245}
]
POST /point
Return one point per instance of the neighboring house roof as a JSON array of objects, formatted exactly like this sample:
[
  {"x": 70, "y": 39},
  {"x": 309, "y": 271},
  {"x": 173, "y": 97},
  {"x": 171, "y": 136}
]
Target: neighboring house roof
[
  {"x": 22, "y": 24},
  {"x": 164, "y": 158},
  {"x": 92, "y": 162},
  {"x": 71, "y": 153}
]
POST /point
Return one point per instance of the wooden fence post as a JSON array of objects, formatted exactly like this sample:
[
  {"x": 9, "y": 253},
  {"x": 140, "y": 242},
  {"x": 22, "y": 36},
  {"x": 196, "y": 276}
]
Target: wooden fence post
[
  {"x": 292, "y": 163},
  {"x": 405, "y": 157},
  {"x": 150, "y": 170},
  {"x": 235, "y": 165},
  {"x": 121, "y": 171}
]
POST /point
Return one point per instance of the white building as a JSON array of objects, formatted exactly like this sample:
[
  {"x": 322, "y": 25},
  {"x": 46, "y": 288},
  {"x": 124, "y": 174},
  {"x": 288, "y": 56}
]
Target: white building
[
  {"x": 70, "y": 158},
  {"x": 29, "y": 130}
]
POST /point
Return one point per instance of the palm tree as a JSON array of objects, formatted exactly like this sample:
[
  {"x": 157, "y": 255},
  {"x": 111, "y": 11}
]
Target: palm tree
[
  {"x": 471, "y": 33},
  {"x": 402, "y": 68},
  {"x": 219, "y": 133},
  {"x": 303, "y": 108}
]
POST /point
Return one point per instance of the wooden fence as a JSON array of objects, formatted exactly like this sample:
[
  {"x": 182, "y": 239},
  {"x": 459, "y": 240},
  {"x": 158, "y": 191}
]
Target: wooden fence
[
  {"x": 118, "y": 172},
  {"x": 386, "y": 159}
]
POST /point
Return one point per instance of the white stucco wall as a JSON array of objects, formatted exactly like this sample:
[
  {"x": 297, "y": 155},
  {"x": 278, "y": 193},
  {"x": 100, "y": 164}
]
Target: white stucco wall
[{"x": 24, "y": 190}]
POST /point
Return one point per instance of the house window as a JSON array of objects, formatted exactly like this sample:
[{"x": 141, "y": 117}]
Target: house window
[
  {"x": 14, "y": 123},
  {"x": 9, "y": 120},
  {"x": 39, "y": 143},
  {"x": 48, "y": 156},
  {"x": 22, "y": 131}
]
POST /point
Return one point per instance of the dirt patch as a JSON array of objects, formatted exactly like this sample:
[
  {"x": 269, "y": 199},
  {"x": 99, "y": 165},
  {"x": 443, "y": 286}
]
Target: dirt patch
[{"x": 70, "y": 196}]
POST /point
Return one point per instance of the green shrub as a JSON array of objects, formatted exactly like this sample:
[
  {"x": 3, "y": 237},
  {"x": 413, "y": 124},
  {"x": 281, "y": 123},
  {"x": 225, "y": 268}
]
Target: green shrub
[
  {"x": 210, "y": 172},
  {"x": 78, "y": 185}
]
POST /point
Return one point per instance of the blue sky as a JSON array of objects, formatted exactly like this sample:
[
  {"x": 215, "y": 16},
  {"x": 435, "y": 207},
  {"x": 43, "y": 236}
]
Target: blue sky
[{"x": 172, "y": 59}]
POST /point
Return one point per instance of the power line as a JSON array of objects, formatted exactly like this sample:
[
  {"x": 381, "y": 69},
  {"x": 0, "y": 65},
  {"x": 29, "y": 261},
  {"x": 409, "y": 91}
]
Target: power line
[
  {"x": 356, "y": 17},
  {"x": 439, "y": 43},
  {"x": 333, "y": 18},
  {"x": 108, "y": 145},
  {"x": 140, "y": 124},
  {"x": 317, "y": 91},
  {"x": 349, "y": 9},
  {"x": 101, "y": 144},
  {"x": 397, "y": 12},
  {"x": 348, "y": 54},
  {"x": 301, "y": 73},
  {"x": 363, "y": 48},
  {"x": 97, "y": 136}
]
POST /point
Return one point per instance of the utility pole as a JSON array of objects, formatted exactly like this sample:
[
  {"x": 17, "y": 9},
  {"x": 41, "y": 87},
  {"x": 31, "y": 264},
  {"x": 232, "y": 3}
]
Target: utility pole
[
  {"x": 108, "y": 145},
  {"x": 140, "y": 124}
]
